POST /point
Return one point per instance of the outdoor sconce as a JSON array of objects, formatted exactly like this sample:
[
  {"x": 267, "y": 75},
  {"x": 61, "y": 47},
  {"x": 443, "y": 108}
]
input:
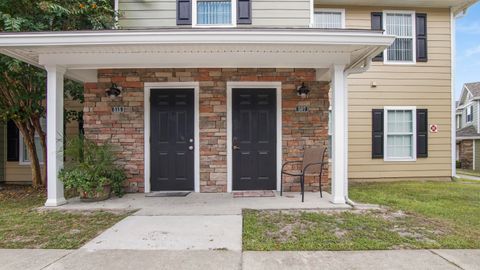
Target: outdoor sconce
[
  {"x": 114, "y": 91},
  {"x": 303, "y": 91}
]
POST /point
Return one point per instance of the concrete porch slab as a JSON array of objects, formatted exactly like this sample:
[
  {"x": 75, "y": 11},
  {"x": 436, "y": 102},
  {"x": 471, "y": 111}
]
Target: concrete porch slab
[
  {"x": 172, "y": 233},
  {"x": 203, "y": 204}
]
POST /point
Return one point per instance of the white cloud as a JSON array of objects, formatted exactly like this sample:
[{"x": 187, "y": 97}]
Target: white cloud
[
  {"x": 473, "y": 51},
  {"x": 472, "y": 28}
]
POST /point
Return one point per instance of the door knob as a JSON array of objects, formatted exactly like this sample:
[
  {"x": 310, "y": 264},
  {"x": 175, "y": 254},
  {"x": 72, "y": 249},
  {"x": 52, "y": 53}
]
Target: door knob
[
  {"x": 236, "y": 147},
  {"x": 190, "y": 147}
]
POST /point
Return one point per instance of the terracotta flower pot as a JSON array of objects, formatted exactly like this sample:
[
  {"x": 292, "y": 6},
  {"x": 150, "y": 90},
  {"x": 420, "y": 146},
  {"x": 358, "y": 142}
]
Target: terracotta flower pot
[{"x": 97, "y": 196}]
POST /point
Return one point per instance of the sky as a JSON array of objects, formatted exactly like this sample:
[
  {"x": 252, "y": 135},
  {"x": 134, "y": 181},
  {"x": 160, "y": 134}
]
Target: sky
[{"x": 467, "y": 49}]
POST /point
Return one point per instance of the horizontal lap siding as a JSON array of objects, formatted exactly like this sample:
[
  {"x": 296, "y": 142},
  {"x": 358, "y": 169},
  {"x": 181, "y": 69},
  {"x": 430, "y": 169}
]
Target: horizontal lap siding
[
  {"x": 425, "y": 85},
  {"x": 286, "y": 13},
  {"x": 147, "y": 14},
  {"x": 265, "y": 13},
  {"x": 20, "y": 173}
]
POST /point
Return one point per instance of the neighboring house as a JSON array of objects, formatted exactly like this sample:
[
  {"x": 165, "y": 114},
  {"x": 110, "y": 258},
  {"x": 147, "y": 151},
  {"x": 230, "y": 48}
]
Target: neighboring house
[
  {"x": 14, "y": 161},
  {"x": 467, "y": 122},
  {"x": 210, "y": 98}
]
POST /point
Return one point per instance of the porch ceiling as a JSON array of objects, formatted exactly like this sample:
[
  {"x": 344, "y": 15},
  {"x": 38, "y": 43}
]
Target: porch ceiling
[{"x": 84, "y": 52}]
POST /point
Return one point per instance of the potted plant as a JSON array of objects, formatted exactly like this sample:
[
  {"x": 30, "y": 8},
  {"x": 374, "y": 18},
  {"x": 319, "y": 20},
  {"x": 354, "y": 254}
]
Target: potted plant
[{"x": 90, "y": 169}]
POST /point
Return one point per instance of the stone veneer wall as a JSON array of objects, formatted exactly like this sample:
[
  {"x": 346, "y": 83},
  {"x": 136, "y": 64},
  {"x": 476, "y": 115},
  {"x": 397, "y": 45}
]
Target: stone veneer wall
[
  {"x": 126, "y": 130},
  {"x": 466, "y": 154}
]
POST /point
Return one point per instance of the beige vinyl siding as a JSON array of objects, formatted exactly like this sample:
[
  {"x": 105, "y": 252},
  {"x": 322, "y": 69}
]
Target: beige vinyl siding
[
  {"x": 3, "y": 151},
  {"x": 476, "y": 155},
  {"x": 136, "y": 14},
  {"x": 425, "y": 85},
  {"x": 17, "y": 173}
]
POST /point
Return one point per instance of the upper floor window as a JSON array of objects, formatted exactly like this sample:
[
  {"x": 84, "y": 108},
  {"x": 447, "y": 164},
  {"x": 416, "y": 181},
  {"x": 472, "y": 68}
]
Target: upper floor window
[
  {"x": 214, "y": 12},
  {"x": 469, "y": 114},
  {"x": 402, "y": 25},
  {"x": 329, "y": 18}
]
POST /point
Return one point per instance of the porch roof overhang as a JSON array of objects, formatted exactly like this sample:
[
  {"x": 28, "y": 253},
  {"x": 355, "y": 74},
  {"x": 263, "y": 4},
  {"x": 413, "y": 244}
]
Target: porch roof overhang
[{"x": 83, "y": 52}]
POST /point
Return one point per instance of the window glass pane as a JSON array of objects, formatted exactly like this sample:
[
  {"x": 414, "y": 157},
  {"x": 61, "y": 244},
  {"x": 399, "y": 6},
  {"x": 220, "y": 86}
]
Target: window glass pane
[
  {"x": 328, "y": 19},
  {"x": 399, "y": 146},
  {"x": 400, "y": 25},
  {"x": 401, "y": 50},
  {"x": 400, "y": 121},
  {"x": 214, "y": 12},
  {"x": 38, "y": 146}
]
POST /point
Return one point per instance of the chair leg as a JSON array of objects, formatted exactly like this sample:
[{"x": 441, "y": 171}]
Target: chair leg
[
  {"x": 320, "y": 185},
  {"x": 281, "y": 184},
  {"x": 302, "y": 186}
]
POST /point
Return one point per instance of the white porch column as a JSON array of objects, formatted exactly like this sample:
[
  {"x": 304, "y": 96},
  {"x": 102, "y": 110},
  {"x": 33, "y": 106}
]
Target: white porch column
[
  {"x": 340, "y": 134},
  {"x": 55, "y": 79}
]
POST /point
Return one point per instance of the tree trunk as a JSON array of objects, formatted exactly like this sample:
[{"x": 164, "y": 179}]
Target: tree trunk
[
  {"x": 43, "y": 141},
  {"x": 28, "y": 133},
  {"x": 34, "y": 162}
]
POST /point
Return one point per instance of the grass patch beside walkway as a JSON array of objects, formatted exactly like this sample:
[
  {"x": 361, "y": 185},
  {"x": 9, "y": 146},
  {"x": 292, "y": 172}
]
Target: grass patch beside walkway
[
  {"x": 420, "y": 215},
  {"x": 22, "y": 226}
]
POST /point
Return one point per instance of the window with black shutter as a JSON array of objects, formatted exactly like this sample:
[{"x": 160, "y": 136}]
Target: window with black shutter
[
  {"x": 244, "y": 12},
  {"x": 377, "y": 24},
  {"x": 12, "y": 142},
  {"x": 422, "y": 133},
  {"x": 184, "y": 12},
  {"x": 421, "y": 31},
  {"x": 377, "y": 133}
]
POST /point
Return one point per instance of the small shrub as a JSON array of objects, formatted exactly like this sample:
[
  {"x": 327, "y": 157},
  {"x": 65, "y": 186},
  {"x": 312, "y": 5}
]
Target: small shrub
[{"x": 91, "y": 167}]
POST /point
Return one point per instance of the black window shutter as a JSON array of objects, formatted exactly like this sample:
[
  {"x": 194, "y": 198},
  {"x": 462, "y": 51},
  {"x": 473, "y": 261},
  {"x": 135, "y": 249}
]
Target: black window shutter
[
  {"x": 421, "y": 29},
  {"x": 184, "y": 12},
  {"x": 244, "y": 12},
  {"x": 377, "y": 24},
  {"x": 12, "y": 142},
  {"x": 422, "y": 133},
  {"x": 377, "y": 133}
]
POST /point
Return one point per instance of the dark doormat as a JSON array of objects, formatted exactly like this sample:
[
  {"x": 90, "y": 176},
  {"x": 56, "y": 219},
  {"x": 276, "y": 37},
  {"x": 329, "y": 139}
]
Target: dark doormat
[
  {"x": 253, "y": 193},
  {"x": 168, "y": 194}
]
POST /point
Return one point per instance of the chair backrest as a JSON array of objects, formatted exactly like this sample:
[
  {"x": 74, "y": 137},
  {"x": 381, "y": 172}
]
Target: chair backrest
[{"x": 313, "y": 155}]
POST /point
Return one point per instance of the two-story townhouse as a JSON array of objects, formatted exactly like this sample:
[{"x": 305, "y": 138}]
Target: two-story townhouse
[
  {"x": 215, "y": 95},
  {"x": 467, "y": 122}
]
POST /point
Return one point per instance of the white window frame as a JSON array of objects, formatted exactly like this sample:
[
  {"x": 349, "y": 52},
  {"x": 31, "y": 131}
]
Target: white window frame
[
  {"x": 21, "y": 149},
  {"x": 317, "y": 10},
  {"x": 232, "y": 24},
  {"x": 470, "y": 106},
  {"x": 414, "y": 37},
  {"x": 21, "y": 145},
  {"x": 414, "y": 132}
]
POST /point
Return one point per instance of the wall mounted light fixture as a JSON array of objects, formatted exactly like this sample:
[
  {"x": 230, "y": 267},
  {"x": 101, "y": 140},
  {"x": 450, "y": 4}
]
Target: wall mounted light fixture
[
  {"x": 303, "y": 91},
  {"x": 114, "y": 91}
]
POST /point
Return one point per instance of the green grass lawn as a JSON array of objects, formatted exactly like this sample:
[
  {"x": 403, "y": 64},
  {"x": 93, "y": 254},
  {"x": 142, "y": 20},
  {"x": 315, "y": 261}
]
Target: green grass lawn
[
  {"x": 22, "y": 226},
  {"x": 419, "y": 215}
]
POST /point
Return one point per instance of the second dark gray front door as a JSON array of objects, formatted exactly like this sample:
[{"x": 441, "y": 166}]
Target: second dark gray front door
[
  {"x": 254, "y": 139},
  {"x": 172, "y": 140}
]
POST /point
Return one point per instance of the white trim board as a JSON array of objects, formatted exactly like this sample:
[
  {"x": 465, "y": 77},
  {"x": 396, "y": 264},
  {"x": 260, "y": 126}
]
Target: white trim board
[
  {"x": 180, "y": 86},
  {"x": 230, "y": 87}
]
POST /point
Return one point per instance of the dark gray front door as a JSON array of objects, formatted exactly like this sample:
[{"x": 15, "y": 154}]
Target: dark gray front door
[
  {"x": 254, "y": 139},
  {"x": 172, "y": 140}
]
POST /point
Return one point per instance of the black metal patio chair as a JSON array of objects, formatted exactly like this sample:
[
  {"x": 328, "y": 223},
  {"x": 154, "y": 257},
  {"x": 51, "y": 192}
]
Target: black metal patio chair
[{"x": 312, "y": 164}]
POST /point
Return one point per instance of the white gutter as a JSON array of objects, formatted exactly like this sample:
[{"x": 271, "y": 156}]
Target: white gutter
[{"x": 216, "y": 36}]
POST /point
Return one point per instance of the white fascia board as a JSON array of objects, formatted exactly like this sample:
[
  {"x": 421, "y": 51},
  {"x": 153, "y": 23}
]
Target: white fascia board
[{"x": 294, "y": 36}]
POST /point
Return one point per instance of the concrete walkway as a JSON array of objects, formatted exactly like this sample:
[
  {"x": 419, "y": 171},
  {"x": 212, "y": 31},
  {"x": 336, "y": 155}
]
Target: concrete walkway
[
  {"x": 468, "y": 177},
  {"x": 197, "y": 222},
  {"x": 179, "y": 260}
]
